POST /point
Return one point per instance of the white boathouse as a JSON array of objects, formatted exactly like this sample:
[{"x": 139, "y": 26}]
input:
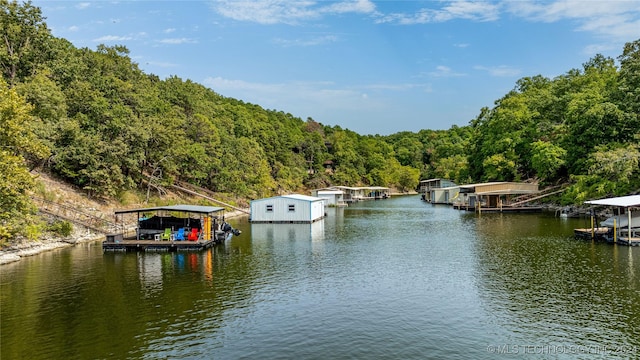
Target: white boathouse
[
  {"x": 331, "y": 197},
  {"x": 292, "y": 209}
]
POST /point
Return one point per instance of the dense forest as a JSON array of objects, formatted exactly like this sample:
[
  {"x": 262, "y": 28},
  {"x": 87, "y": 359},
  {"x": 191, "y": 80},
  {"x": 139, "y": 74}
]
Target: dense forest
[{"x": 95, "y": 120}]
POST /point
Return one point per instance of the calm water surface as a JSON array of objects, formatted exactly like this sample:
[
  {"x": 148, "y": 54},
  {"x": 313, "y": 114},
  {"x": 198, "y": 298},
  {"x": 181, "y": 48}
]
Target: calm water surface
[{"x": 392, "y": 279}]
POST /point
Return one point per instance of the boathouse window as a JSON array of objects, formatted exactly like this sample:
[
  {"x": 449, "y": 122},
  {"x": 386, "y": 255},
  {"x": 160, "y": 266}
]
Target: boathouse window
[
  {"x": 269, "y": 208},
  {"x": 292, "y": 207}
]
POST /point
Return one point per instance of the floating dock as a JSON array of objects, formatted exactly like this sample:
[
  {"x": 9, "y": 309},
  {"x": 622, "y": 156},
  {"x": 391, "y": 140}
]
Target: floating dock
[
  {"x": 171, "y": 228},
  {"x": 600, "y": 233},
  {"x": 156, "y": 245}
]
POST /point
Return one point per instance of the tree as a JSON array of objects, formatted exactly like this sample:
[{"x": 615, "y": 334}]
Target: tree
[
  {"x": 454, "y": 167},
  {"x": 615, "y": 162},
  {"x": 24, "y": 34},
  {"x": 630, "y": 77},
  {"x": 547, "y": 159},
  {"x": 498, "y": 167},
  {"x": 17, "y": 140},
  {"x": 16, "y": 125}
]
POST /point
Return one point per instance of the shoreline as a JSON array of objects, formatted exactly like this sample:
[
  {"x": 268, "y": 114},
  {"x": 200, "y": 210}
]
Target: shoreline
[
  {"x": 15, "y": 252},
  {"x": 27, "y": 248}
]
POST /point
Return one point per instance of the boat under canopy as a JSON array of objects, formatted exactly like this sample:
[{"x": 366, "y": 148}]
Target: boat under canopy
[{"x": 624, "y": 227}]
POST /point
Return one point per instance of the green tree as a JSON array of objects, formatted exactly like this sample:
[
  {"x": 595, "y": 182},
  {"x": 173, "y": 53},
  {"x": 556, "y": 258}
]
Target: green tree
[
  {"x": 454, "y": 167},
  {"x": 547, "y": 159},
  {"x": 615, "y": 162},
  {"x": 499, "y": 168},
  {"x": 629, "y": 77},
  {"x": 17, "y": 140},
  {"x": 24, "y": 34},
  {"x": 16, "y": 125}
]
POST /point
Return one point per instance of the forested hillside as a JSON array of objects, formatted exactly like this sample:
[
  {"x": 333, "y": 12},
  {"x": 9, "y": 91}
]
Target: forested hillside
[{"x": 94, "y": 119}]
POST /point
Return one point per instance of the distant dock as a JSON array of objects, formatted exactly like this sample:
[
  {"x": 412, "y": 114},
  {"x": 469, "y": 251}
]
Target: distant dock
[{"x": 503, "y": 209}]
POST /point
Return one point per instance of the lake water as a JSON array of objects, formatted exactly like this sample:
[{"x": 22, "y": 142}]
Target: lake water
[{"x": 389, "y": 279}]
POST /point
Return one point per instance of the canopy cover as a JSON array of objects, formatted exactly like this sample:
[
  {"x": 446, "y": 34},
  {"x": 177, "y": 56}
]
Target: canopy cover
[{"x": 624, "y": 201}]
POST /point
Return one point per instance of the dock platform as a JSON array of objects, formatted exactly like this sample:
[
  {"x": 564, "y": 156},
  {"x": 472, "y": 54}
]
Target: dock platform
[
  {"x": 153, "y": 245},
  {"x": 599, "y": 233},
  {"x": 172, "y": 228}
]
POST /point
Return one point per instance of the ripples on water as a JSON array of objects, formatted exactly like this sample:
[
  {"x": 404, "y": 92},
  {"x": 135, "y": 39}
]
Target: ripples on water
[{"x": 383, "y": 279}]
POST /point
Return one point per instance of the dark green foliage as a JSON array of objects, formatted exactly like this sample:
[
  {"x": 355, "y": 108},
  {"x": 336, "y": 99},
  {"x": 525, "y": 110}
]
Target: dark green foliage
[{"x": 61, "y": 228}]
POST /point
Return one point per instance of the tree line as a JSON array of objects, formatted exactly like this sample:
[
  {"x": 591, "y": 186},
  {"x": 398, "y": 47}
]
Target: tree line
[{"x": 94, "y": 119}]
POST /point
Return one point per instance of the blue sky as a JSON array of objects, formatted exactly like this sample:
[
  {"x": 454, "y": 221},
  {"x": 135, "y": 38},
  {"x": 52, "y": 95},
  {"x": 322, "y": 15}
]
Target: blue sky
[{"x": 374, "y": 67}]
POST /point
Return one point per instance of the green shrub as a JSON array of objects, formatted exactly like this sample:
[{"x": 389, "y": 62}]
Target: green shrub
[{"x": 61, "y": 227}]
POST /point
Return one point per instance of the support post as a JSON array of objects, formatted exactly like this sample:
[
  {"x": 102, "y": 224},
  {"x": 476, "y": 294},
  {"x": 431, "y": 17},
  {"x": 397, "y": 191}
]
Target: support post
[
  {"x": 629, "y": 226},
  {"x": 592, "y": 228}
]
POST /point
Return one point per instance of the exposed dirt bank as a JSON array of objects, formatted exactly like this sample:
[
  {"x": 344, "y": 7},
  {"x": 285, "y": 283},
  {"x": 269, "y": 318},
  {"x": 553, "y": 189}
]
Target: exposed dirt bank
[{"x": 61, "y": 193}]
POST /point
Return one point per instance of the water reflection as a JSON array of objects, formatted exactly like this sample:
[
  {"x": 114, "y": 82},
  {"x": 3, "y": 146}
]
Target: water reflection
[
  {"x": 541, "y": 285},
  {"x": 289, "y": 232}
]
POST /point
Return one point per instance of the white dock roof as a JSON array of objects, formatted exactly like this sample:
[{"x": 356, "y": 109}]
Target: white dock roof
[
  {"x": 624, "y": 201},
  {"x": 301, "y": 197}
]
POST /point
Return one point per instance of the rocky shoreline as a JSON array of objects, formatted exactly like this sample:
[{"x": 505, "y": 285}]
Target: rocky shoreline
[{"x": 25, "y": 248}]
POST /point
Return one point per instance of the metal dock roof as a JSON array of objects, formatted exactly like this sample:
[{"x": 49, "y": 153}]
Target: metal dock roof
[{"x": 198, "y": 209}]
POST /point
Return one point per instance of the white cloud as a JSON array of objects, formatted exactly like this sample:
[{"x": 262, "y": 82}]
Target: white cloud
[
  {"x": 306, "y": 97},
  {"x": 444, "y": 71},
  {"x": 175, "y": 41},
  {"x": 357, "y": 6},
  {"x": 287, "y": 11},
  {"x": 307, "y": 42},
  {"x": 112, "y": 38},
  {"x": 470, "y": 10},
  {"x": 499, "y": 71},
  {"x": 73, "y": 28},
  {"x": 594, "y": 49},
  {"x": 83, "y": 5},
  {"x": 612, "y": 20},
  {"x": 169, "y": 30},
  {"x": 570, "y": 9}
]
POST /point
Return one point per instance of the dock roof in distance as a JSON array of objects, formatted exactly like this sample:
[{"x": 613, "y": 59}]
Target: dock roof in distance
[
  {"x": 198, "y": 209},
  {"x": 302, "y": 197},
  {"x": 624, "y": 201}
]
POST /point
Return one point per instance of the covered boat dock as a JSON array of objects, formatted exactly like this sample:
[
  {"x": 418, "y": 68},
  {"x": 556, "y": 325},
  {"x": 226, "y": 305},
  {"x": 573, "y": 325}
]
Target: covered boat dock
[
  {"x": 496, "y": 197},
  {"x": 623, "y": 228},
  {"x": 170, "y": 228}
]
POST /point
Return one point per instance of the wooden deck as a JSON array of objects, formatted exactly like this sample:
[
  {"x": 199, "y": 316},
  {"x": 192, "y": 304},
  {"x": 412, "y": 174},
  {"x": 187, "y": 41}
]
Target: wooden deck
[{"x": 157, "y": 245}]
